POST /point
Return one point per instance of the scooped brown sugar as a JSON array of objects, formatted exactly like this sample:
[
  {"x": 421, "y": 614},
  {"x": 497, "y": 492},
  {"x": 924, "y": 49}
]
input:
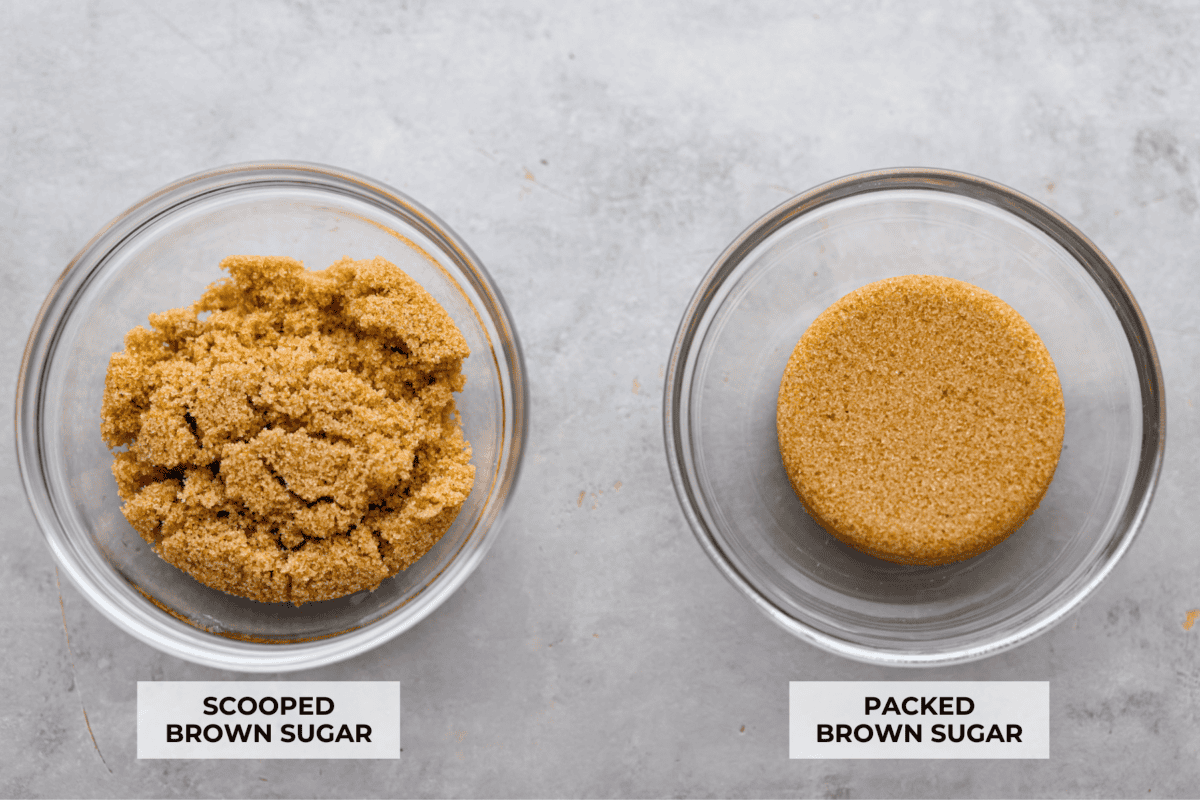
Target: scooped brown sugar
[
  {"x": 920, "y": 420},
  {"x": 293, "y": 435}
]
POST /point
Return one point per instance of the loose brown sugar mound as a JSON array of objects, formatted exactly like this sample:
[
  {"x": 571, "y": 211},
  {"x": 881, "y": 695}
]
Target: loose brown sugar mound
[
  {"x": 920, "y": 420},
  {"x": 301, "y": 442}
]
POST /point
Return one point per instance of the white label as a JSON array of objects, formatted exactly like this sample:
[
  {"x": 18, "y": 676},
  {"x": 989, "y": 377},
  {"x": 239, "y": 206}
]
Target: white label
[
  {"x": 919, "y": 719},
  {"x": 268, "y": 719}
]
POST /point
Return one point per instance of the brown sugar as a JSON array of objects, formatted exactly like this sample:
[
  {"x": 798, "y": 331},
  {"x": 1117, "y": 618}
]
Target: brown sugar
[
  {"x": 292, "y": 436},
  {"x": 920, "y": 420}
]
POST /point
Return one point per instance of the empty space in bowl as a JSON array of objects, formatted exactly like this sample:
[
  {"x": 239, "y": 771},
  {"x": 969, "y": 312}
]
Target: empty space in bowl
[
  {"x": 745, "y": 501},
  {"x": 168, "y": 263}
]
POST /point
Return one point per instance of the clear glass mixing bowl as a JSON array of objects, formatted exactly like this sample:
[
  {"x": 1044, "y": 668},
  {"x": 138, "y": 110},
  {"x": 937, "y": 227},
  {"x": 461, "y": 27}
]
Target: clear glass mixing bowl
[
  {"x": 723, "y": 382},
  {"x": 161, "y": 254}
]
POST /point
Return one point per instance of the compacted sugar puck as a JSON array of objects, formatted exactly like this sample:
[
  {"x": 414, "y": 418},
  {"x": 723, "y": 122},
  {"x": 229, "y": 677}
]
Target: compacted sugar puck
[{"x": 920, "y": 420}]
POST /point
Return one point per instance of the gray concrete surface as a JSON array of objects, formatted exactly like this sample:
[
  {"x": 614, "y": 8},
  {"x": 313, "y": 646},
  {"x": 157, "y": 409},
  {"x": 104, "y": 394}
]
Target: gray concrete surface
[{"x": 598, "y": 157}]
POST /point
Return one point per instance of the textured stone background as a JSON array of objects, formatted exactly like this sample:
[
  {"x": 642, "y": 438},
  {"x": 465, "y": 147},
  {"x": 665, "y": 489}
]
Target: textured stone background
[{"x": 598, "y": 157}]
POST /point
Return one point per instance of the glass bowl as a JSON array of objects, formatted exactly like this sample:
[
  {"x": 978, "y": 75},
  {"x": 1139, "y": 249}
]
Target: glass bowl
[
  {"x": 723, "y": 381},
  {"x": 161, "y": 254}
]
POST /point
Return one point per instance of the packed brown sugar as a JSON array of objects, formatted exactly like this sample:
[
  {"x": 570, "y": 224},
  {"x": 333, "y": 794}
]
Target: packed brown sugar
[
  {"x": 920, "y": 420},
  {"x": 292, "y": 436}
]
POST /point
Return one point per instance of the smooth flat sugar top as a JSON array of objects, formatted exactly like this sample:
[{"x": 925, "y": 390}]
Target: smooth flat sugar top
[
  {"x": 301, "y": 442},
  {"x": 920, "y": 419}
]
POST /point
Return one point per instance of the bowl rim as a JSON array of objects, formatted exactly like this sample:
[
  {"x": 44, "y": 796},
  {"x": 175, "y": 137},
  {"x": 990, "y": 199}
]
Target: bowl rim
[
  {"x": 1094, "y": 262},
  {"x": 175, "y": 636}
]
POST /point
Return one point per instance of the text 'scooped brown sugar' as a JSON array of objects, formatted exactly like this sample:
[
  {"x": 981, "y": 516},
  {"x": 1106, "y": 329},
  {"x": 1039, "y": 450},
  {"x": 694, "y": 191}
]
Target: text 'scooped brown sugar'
[
  {"x": 293, "y": 435},
  {"x": 920, "y": 420}
]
